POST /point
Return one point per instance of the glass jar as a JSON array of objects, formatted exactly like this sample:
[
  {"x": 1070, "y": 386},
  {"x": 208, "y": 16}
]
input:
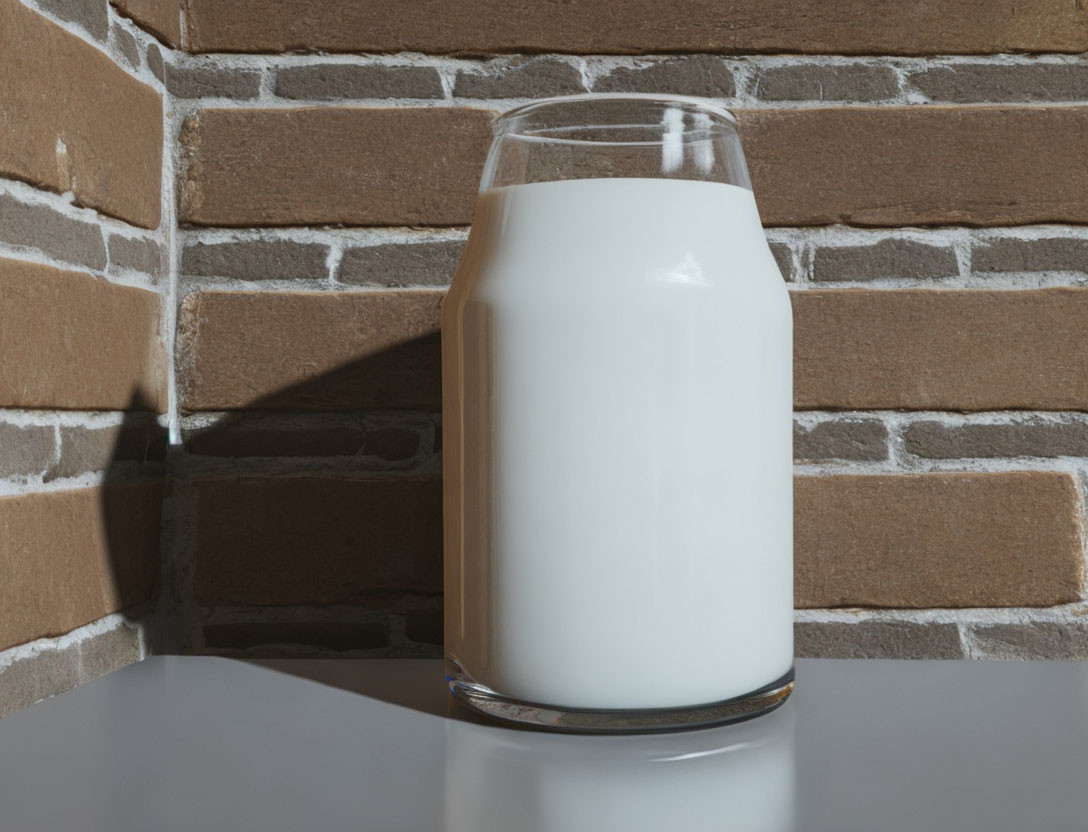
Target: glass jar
[{"x": 617, "y": 431}]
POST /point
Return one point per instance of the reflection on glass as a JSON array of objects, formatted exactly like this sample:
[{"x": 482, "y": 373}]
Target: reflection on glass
[{"x": 739, "y": 778}]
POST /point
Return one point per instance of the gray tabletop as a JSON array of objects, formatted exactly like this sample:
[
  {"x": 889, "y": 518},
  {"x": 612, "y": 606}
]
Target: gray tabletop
[{"x": 207, "y": 744}]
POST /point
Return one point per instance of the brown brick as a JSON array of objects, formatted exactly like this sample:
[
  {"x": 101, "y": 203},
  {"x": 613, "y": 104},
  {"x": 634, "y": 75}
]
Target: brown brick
[
  {"x": 302, "y": 435},
  {"x": 90, "y": 14},
  {"x": 702, "y": 75},
  {"x": 145, "y": 256},
  {"x": 333, "y": 635},
  {"x": 82, "y": 449},
  {"x": 639, "y": 26},
  {"x": 1054, "y": 640},
  {"x": 924, "y": 349},
  {"x": 857, "y": 439},
  {"x": 308, "y": 540},
  {"x": 160, "y": 17},
  {"x": 425, "y": 626},
  {"x": 1057, "y": 254},
  {"x": 1027, "y": 438},
  {"x": 108, "y": 651},
  {"x": 256, "y": 260},
  {"x": 40, "y": 227},
  {"x": 309, "y": 350},
  {"x": 885, "y": 259},
  {"x": 59, "y": 354},
  {"x": 84, "y": 124},
  {"x": 154, "y": 62},
  {"x": 126, "y": 45},
  {"x": 937, "y": 540},
  {"x": 324, "y": 82},
  {"x": 29, "y": 680},
  {"x": 857, "y": 82},
  {"x": 72, "y": 557},
  {"x": 212, "y": 82},
  {"x": 783, "y": 256},
  {"x": 25, "y": 450},
  {"x": 401, "y": 264},
  {"x": 990, "y": 83},
  {"x": 391, "y": 443},
  {"x": 876, "y": 640},
  {"x": 352, "y": 165},
  {"x": 893, "y": 166}
]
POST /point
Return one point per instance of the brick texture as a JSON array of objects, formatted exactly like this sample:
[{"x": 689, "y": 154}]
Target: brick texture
[
  {"x": 937, "y": 540},
  {"x": 52, "y": 233},
  {"x": 332, "y": 635},
  {"x": 76, "y": 121},
  {"x": 783, "y": 256},
  {"x": 705, "y": 75},
  {"x": 425, "y": 626},
  {"x": 57, "y": 352},
  {"x": 974, "y": 83},
  {"x": 256, "y": 260},
  {"x": 1059, "y": 641},
  {"x": 109, "y": 651},
  {"x": 357, "y": 166},
  {"x": 401, "y": 264},
  {"x": 145, "y": 256},
  {"x": 858, "y": 82},
  {"x": 335, "y": 81},
  {"x": 348, "y": 351},
  {"x": 212, "y": 82},
  {"x": 1022, "y": 438},
  {"x": 856, "y": 439},
  {"x": 520, "y": 78},
  {"x": 25, "y": 450},
  {"x": 885, "y": 259},
  {"x": 876, "y": 640},
  {"x": 637, "y": 26},
  {"x": 305, "y": 540},
  {"x": 1044, "y": 255},
  {"x": 126, "y": 45},
  {"x": 941, "y": 350},
  {"x": 90, "y": 14},
  {"x": 140, "y": 441},
  {"x": 71, "y": 557},
  {"x": 160, "y": 17},
  {"x": 32, "y": 679}
]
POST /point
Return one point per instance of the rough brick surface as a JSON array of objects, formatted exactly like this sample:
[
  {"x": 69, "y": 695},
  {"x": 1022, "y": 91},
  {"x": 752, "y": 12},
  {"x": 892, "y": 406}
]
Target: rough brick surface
[
  {"x": 276, "y": 435},
  {"x": 352, "y": 165},
  {"x": 256, "y": 260},
  {"x": 937, "y": 540},
  {"x": 893, "y": 166},
  {"x": 77, "y": 121},
  {"x": 638, "y": 26},
  {"x": 876, "y": 640},
  {"x": 109, "y": 651},
  {"x": 82, "y": 449},
  {"x": 145, "y": 256},
  {"x": 58, "y": 352},
  {"x": 347, "y": 351},
  {"x": 90, "y": 14},
  {"x": 25, "y": 450},
  {"x": 1032, "y": 640},
  {"x": 160, "y": 17},
  {"x": 941, "y": 349},
  {"x": 40, "y": 227},
  {"x": 703, "y": 75},
  {"x": 306, "y": 540},
  {"x": 212, "y": 82},
  {"x": 784, "y": 258},
  {"x": 425, "y": 626},
  {"x": 885, "y": 259},
  {"x": 332, "y": 81},
  {"x": 1055, "y": 254},
  {"x": 154, "y": 62},
  {"x": 403, "y": 264},
  {"x": 340, "y": 636},
  {"x": 29, "y": 680},
  {"x": 1031, "y": 437},
  {"x": 985, "y": 83},
  {"x": 857, "y": 82},
  {"x": 71, "y": 557},
  {"x": 520, "y": 78},
  {"x": 856, "y": 439},
  {"x": 126, "y": 45}
]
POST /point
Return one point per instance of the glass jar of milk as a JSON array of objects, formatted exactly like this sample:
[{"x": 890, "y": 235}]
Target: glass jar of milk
[{"x": 616, "y": 351}]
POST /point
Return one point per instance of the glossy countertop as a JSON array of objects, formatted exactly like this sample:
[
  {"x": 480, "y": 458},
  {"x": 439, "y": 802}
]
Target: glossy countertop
[{"x": 201, "y": 743}]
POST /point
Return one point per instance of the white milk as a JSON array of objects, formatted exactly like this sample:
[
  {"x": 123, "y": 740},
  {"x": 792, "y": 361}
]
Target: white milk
[{"x": 617, "y": 440}]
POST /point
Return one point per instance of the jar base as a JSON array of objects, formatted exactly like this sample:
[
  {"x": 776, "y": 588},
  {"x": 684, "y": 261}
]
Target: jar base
[{"x": 483, "y": 700}]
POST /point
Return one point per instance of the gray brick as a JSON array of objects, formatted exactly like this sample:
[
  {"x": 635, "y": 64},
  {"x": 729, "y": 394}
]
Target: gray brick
[
  {"x": 109, "y": 651},
  {"x": 332, "y": 81},
  {"x": 1035, "y": 438},
  {"x": 154, "y": 61},
  {"x": 256, "y": 260},
  {"x": 98, "y": 449},
  {"x": 340, "y": 636},
  {"x": 212, "y": 82},
  {"x": 1060, "y": 641},
  {"x": 401, "y": 264},
  {"x": 702, "y": 75},
  {"x": 90, "y": 14},
  {"x": 425, "y": 626},
  {"x": 876, "y": 640},
  {"x": 40, "y": 227},
  {"x": 1054, "y": 254},
  {"x": 392, "y": 443},
  {"x": 784, "y": 258},
  {"x": 854, "y": 439},
  {"x": 127, "y": 46},
  {"x": 145, "y": 256},
  {"x": 25, "y": 450},
  {"x": 269, "y": 440},
  {"x": 26, "y": 681},
  {"x": 885, "y": 259},
  {"x": 827, "y": 83},
  {"x": 989, "y": 83},
  {"x": 520, "y": 78}
]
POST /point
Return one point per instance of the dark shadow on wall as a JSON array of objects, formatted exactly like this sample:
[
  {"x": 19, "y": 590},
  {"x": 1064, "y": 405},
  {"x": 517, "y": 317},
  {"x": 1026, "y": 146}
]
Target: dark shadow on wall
[{"x": 306, "y": 525}]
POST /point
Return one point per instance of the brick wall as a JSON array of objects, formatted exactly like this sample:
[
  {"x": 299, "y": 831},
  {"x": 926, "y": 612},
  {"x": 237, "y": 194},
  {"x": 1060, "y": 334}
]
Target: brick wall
[
  {"x": 920, "y": 170},
  {"x": 84, "y": 323}
]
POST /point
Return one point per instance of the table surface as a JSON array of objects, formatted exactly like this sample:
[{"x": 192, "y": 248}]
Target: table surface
[{"x": 199, "y": 743}]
